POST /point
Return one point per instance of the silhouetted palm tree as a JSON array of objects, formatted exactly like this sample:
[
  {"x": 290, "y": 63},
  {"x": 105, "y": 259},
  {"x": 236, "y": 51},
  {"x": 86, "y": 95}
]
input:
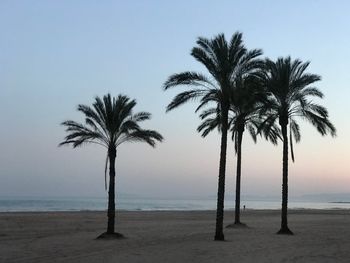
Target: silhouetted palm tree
[
  {"x": 109, "y": 123},
  {"x": 246, "y": 99},
  {"x": 224, "y": 61},
  {"x": 288, "y": 86}
]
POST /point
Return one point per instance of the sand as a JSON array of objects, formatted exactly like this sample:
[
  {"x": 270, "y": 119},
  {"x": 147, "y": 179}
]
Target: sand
[{"x": 320, "y": 236}]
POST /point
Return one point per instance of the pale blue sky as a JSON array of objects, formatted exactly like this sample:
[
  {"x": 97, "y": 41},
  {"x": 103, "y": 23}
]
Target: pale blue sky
[{"x": 57, "y": 54}]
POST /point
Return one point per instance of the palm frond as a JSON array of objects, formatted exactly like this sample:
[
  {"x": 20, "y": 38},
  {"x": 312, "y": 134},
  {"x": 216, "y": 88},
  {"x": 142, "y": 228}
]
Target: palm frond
[
  {"x": 212, "y": 95},
  {"x": 79, "y": 134},
  {"x": 291, "y": 145},
  {"x": 209, "y": 112},
  {"x": 183, "y": 97},
  {"x": 206, "y": 59},
  {"x": 148, "y": 136},
  {"x": 252, "y": 132},
  {"x": 323, "y": 125},
  {"x": 208, "y": 125},
  {"x": 95, "y": 119},
  {"x": 295, "y": 129},
  {"x": 141, "y": 116},
  {"x": 188, "y": 78},
  {"x": 311, "y": 91}
]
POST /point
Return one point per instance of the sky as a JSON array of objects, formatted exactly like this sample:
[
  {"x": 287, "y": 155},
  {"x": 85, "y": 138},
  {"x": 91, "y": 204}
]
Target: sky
[{"x": 55, "y": 55}]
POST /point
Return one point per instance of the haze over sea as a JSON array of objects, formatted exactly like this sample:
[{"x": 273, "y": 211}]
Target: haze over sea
[{"x": 147, "y": 203}]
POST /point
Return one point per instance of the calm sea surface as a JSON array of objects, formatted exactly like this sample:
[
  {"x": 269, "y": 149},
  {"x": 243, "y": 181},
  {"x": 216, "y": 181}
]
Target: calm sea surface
[{"x": 10, "y": 204}]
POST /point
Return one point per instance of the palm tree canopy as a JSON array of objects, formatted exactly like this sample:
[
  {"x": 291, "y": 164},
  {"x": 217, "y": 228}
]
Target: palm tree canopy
[
  {"x": 224, "y": 61},
  {"x": 110, "y": 122},
  {"x": 246, "y": 96},
  {"x": 289, "y": 88}
]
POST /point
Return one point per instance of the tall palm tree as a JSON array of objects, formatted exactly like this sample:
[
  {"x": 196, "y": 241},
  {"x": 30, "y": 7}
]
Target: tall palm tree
[
  {"x": 288, "y": 86},
  {"x": 109, "y": 123},
  {"x": 245, "y": 103},
  {"x": 224, "y": 61}
]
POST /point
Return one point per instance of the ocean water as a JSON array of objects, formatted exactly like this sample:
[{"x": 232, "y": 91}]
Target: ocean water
[{"x": 136, "y": 203}]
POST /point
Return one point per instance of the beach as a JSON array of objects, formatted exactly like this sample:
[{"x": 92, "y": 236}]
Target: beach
[{"x": 174, "y": 236}]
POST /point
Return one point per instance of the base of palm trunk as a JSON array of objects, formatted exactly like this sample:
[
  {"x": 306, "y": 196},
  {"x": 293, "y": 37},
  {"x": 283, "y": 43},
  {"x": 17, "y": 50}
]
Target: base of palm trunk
[
  {"x": 107, "y": 235},
  {"x": 219, "y": 237},
  {"x": 237, "y": 225},
  {"x": 285, "y": 231}
]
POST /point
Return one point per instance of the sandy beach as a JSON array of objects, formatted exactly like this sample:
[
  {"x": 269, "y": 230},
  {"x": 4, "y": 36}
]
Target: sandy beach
[{"x": 320, "y": 236}]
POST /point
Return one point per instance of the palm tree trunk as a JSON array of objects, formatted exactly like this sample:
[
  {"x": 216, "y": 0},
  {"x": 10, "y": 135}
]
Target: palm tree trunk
[
  {"x": 111, "y": 191},
  {"x": 284, "y": 216},
  {"x": 238, "y": 178},
  {"x": 219, "y": 234}
]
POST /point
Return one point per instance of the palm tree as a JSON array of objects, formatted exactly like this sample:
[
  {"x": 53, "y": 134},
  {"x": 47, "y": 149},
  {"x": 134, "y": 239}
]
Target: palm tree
[
  {"x": 245, "y": 102},
  {"x": 109, "y": 123},
  {"x": 223, "y": 60},
  {"x": 288, "y": 87}
]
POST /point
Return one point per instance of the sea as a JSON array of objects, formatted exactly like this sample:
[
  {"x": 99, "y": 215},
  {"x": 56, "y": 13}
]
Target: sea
[{"x": 142, "y": 203}]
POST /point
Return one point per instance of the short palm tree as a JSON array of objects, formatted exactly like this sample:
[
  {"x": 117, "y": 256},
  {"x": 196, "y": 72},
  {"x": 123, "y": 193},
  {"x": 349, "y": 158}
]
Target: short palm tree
[
  {"x": 289, "y": 90},
  {"x": 224, "y": 61},
  {"x": 245, "y": 103},
  {"x": 109, "y": 123}
]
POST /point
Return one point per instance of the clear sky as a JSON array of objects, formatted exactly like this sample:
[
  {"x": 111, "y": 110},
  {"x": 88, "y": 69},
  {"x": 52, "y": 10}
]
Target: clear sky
[{"x": 57, "y": 54}]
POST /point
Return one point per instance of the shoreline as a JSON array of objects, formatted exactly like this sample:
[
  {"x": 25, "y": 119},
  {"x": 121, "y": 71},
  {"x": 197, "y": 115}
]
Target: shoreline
[{"x": 176, "y": 210}]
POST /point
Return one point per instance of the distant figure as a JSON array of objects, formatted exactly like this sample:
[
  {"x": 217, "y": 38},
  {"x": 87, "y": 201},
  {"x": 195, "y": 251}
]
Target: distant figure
[{"x": 243, "y": 207}]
